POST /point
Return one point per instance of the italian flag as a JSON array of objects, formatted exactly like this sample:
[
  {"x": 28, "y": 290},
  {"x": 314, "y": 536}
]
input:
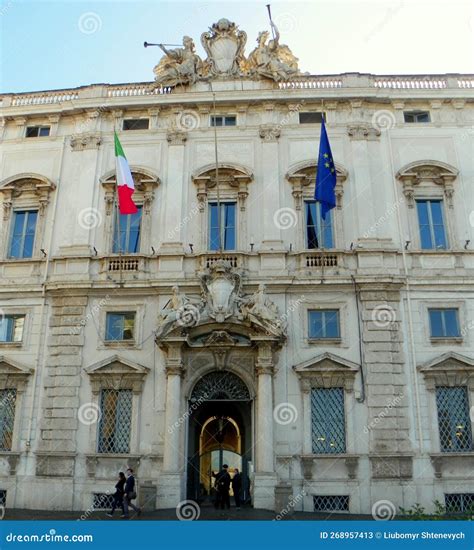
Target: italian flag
[{"x": 125, "y": 185}]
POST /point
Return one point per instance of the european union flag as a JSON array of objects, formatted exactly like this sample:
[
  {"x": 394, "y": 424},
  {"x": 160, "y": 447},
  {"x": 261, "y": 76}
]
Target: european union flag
[{"x": 326, "y": 175}]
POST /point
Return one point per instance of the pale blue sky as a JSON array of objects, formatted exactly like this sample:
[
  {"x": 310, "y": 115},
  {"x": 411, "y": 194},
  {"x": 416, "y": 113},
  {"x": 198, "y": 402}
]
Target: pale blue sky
[{"x": 48, "y": 45}]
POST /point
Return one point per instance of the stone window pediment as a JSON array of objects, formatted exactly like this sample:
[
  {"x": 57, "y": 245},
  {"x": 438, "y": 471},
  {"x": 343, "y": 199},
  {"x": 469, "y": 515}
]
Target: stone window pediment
[
  {"x": 26, "y": 191},
  {"x": 145, "y": 184},
  {"x": 13, "y": 375},
  {"x": 421, "y": 177},
  {"x": 327, "y": 371},
  {"x": 302, "y": 178},
  {"x": 118, "y": 374},
  {"x": 233, "y": 183},
  {"x": 450, "y": 369}
]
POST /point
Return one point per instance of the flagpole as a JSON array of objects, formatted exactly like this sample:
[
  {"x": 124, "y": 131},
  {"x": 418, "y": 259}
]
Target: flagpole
[{"x": 117, "y": 216}]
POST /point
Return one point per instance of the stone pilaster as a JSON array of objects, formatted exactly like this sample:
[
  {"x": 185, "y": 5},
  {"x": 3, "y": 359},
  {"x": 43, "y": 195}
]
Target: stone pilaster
[
  {"x": 387, "y": 402},
  {"x": 57, "y": 441}
]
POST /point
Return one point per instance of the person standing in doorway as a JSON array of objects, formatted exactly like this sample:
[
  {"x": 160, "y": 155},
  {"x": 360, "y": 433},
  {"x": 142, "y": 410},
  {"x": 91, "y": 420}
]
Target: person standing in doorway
[
  {"x": 118, "y": 495},
  {"x": 237, "y": 487},
  {"x": 129, "y": 495},
  {"x": 222, "y": 488}
]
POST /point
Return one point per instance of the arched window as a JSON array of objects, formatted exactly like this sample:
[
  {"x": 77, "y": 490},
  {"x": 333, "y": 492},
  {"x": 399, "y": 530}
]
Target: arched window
[{"x": 220, "y": 386}]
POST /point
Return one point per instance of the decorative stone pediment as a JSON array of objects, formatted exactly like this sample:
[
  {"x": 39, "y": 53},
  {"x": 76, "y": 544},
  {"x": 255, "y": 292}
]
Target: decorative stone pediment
[
  {"x": 26, "y": 190},
  {"x": 302, "y": 177},
  {"x": 13, "y": 375},
  {"x": 326, "y": 371},
  {"x": 423, "y": 174},
  {"x": 449, "y": 369},
  {"x": 145, "y": 184},
  {"x": 233, "y": 183},
  {"x": 117, "y": 373}
]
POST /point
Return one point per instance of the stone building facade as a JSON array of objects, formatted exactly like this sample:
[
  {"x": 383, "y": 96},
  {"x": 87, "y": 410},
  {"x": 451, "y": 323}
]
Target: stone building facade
[{"x": 332, "y": 362}]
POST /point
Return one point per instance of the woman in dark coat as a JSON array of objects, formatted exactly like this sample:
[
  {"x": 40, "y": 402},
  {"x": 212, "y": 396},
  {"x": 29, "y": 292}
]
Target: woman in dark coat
[{"x": 118, "y": 495}]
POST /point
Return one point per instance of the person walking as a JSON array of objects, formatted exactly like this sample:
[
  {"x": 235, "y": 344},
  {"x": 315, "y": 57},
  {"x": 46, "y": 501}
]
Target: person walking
[
  {"x": 222, "y": 487},
  {"x": 129, "y": 495},
  {"x": 237, "y": 487},
  {"x": 118, "y": 495}
]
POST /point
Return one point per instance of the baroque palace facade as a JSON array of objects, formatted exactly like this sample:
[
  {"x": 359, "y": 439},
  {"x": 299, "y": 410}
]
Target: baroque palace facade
[{"x": 331, "y": 361}]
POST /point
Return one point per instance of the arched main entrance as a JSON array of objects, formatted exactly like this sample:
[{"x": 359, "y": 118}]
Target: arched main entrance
[{"x": 220, "y": 432}]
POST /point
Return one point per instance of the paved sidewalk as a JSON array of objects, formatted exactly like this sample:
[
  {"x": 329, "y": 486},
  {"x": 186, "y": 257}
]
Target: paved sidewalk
[{"x": 206, "y": 513}]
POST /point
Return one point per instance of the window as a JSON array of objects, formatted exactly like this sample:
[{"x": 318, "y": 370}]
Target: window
[
  {"x": 23, "y": 234},
  {"x": 417, "y": 116},
  {"x": 120, "y": 326},
  {"x": 37, "y": 131},
  {"x": 318, "y": 231},
  {"x": 459, "y": 502},
  {"x": 430, "y": 219},
  {"x": 323, "y": 323},
  {"x": 453, "y": 419},
  {"x": 223, "y": 120},
  {"x": 226, "y": 220},
  {"x": 130, "y": 224},
  {"x": 444, "y": 323},
  {"x": 331, "y": 503},
  {"x": 135, "y": 124},
  {"x": 115, "y": 421},
  {"x": 3, "y": 497},
  {"x": 11, "y": 328},
  {"x": 311, "y": 118},
  {"x": 328, "y": 420},
  {"x": 7, "y": 418},
  {"x": 102, "y": 501}
]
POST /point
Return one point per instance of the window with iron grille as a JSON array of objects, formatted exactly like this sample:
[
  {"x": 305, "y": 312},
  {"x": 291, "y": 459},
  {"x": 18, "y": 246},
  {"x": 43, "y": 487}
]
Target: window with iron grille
[
  {"x": 11, "y": 328},
  {"x": 115, "y": 421},
  {"x": 459, "y": 502},
  {"x": 331, "y": 503},
  {"x": 454, "y": 422},
  {"x": 7, "y": 418},
  {"x": 328, "y": 428},
  {"x": 444, "y": 322},
  {"x": 102, "y": 501},
  {"x": 120, "y": 326},
  {"x": 3, "y": 497}
]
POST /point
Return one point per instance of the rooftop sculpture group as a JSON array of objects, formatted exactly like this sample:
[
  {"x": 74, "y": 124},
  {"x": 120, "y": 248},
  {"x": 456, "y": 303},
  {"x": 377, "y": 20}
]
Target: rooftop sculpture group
[{"x": 224, "y": 45}]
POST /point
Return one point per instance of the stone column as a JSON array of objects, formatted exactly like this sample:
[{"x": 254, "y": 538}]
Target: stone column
[
  {"x": 170, "y": 483},
  {"x": 265, "y": 476}
]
